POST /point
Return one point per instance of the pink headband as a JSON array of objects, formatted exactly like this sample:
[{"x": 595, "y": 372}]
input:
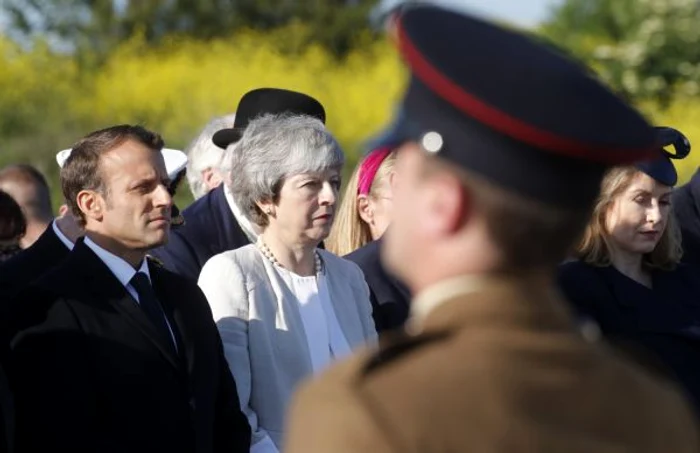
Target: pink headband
[{"x": 368, "y": 169}]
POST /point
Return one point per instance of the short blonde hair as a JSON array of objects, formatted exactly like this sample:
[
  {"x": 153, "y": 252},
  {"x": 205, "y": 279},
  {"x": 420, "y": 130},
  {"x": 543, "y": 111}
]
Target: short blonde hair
[
  {"x": 349, "y": 231},
  {"x": 595, "y": 247}
]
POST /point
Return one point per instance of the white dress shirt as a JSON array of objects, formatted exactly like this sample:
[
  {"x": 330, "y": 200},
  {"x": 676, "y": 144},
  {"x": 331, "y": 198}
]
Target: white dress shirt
[
  {"x": 324, "y": 336},
  {"x": 124, "y": 273},
  {"x": 67, "y": 242}
]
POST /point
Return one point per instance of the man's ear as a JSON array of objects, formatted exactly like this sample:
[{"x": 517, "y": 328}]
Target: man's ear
[
  {"x": 364, "y": 209},
  {"x": 91, "y": 204},
  {"x": 447, "y": 204},
  {"x": 212, "y": 178}
]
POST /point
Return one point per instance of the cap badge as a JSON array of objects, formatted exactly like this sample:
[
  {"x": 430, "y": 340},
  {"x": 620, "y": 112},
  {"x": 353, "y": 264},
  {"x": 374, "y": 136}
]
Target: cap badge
[{"x": 432, "y": 142}]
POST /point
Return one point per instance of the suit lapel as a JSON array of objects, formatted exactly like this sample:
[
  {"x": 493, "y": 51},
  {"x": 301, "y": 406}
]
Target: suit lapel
[
  {"x": 51, "y": 246},
  {"x": 105, "y": 288},
  {"x": 288, "y": 319},
  {"x": 170, "y": 299},
  {"x": 344, "y": 309}
]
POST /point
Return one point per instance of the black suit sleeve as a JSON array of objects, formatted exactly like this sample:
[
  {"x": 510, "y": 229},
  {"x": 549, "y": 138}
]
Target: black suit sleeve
[
  {"x": 50, "y": 376},
  {"x": 231, "y": 428}
]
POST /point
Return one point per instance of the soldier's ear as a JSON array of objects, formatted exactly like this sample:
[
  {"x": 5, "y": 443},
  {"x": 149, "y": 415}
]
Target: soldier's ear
[
  {"x": 91, "y": 204},
  {"x": 448, "y": 204}
]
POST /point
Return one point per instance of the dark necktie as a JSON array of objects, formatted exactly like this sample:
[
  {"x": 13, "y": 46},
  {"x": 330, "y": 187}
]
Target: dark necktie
[{"x": 150, "y": 305}]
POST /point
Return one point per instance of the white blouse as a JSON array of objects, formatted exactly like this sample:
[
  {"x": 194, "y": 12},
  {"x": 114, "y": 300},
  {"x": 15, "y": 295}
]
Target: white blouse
[{"x": 324, "y": 336}]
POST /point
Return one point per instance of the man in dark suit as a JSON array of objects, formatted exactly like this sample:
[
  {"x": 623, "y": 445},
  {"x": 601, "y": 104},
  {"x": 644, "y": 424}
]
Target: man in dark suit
[
  {"x": 493, "y": 190},
  {"x": 390, "y": 297},
  {"x": 61, "y": 234},
  {"x": 111, "y": 352},
  {"x": 213, "y": 223}
]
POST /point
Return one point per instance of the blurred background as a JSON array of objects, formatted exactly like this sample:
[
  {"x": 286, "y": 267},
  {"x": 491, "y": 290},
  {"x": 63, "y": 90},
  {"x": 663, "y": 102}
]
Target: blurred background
[{"x": 68, "y": 67}]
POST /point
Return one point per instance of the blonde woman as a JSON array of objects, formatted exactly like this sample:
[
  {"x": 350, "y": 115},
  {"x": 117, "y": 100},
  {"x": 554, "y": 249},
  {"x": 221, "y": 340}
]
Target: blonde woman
[
  {"x": 364, "y": 216},
  {"x": 627, "y": 276},
  {"x": 364, "y": 213}
]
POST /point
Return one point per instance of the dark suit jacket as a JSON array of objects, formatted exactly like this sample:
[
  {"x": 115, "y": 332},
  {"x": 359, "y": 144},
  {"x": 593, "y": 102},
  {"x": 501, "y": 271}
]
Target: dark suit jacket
[
  {"x": 91, "y": 374},
  {"x": 30, "y": 264},
  {"x": 686, "y": 205},
  {"x": 659, "y": 326},
  {"x": 15, "y": 274},
  {"x": 210, "y": 228},
  {"x": 390, "y": 298}
]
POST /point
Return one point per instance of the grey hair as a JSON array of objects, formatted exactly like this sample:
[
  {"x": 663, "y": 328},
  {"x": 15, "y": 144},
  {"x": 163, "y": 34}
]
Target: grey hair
[
  {"x": 273, "y": 148},
  {"x": 202, "y": 154}
]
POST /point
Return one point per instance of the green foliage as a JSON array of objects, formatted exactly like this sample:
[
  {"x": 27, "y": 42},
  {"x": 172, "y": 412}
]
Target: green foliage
[
  {"x": 648, "y": 49},
  {"x": 98, "y": 26}
]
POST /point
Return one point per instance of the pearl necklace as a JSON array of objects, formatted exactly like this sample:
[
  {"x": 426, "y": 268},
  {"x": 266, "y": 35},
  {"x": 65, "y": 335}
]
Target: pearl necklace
[{"x": 267, "y": 253}]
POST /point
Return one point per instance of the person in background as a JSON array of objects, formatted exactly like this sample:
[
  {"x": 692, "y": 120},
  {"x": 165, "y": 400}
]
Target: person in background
[
  {"x": 204, "y": 171},
  {"x": 686, "y": 208},
  {"x": 111, "y": 352},
  {"x": 628, "y": 277},
  {"x": 363, "y": 216},
  {"x": 214, "y": 223},
  {"x": 12, "y": 226},
  {"x": 365, "y": 211},
  {"x": 285, "y": 308},
  {"x": 30, "y": 190},
  {"x": 492, "y": 191}
]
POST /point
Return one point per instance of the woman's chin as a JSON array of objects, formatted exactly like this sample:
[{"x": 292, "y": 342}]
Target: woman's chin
[{"x": 317, "y": 235}]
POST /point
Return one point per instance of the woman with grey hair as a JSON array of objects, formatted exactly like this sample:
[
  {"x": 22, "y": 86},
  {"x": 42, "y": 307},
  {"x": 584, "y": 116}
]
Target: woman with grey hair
[{"x": 285, "y": 309}]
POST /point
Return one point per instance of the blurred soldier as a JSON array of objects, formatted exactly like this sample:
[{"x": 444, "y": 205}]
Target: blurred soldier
[{"x": 509, "y": 145}]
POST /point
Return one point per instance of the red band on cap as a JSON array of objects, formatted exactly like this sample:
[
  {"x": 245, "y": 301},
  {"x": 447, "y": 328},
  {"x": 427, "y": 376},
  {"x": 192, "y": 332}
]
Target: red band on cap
[{"x": 502, "y": 122}]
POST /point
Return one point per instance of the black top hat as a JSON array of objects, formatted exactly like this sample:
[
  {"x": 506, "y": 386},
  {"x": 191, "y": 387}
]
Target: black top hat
[
  {"x": 267, "y": 100},
  {"x": 513, "y": 110},
  {"x": 661, "y": 168}
]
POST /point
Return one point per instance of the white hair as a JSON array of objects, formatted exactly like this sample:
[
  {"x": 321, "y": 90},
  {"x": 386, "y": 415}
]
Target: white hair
[
  {"x": 203, "y": 154},
  {"x": 273, "y": 148}
]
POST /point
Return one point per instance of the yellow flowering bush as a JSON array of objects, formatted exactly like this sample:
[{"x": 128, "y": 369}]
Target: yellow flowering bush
[
  {"x": 179, "y": 86},
  {"x": 49, "y": 101}
]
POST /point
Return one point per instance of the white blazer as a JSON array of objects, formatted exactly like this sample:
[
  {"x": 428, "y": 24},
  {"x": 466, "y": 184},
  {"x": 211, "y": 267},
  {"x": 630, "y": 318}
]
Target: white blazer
[{"x": 264, "y": 338}]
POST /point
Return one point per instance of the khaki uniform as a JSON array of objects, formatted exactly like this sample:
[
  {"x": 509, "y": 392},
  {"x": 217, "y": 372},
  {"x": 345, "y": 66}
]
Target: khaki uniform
[{"x": 492, "y": 366}]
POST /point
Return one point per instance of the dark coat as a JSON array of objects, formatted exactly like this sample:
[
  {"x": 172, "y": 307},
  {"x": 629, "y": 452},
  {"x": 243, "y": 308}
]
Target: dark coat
[
  {"x": 660, "y": 325},
  {"x": 15, "y": 274},
  {"x": 30, "y": 264},
  {"x": 210, "y": 228},
  {"x": 686, "y": 205},
  {"x": 91, "y": 374},
  {"x": 390, "y": 298}
]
